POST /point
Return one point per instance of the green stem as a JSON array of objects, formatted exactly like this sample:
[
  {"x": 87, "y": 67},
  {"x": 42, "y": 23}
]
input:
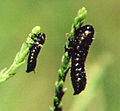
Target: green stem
[
  {"x": 7, "y": 73},
  {"x": 62, "y": 72}
]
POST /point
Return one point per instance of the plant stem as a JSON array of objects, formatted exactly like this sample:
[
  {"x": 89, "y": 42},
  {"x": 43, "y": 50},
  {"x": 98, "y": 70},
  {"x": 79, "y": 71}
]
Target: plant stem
[
  {"x": 65, "y": 66},
  {"x": 7, "y": 73}
]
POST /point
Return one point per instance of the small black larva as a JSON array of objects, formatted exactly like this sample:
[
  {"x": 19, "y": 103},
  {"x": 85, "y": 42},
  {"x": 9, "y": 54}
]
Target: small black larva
[
  {"x": 34, "y": 51},
  {"x": 78, "y": 50}
]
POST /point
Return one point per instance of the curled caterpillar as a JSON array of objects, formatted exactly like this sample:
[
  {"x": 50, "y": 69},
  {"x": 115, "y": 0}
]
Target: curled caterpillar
[
  {"x": 78, "y": 50},
  {"x": 34, "y": 51}
]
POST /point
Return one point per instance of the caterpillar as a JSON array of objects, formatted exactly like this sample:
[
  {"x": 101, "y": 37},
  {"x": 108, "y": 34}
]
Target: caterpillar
[
  {"x": 34, "y": 51},
  {"x": 78, "y": 49}
]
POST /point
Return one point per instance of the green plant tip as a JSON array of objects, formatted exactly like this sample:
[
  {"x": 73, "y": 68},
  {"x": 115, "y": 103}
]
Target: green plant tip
[
  {"x": 60, "y": 84},
  {"x": 56, "y": 99},
  {"x": 36, "y": 30},
  {"x": 81, "y": 11}
]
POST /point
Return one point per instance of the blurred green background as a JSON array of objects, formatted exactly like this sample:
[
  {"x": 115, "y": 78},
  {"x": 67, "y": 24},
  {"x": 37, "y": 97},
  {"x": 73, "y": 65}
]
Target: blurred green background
[{"x": 34, "y": 92}]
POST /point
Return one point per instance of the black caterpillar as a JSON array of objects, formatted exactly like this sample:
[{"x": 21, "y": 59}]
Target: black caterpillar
[
  {"x": 34, "y": 51},
  {"x": 78, "y": 50}
]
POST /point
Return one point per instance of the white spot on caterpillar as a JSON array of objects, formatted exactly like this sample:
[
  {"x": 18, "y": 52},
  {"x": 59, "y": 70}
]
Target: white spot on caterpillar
[
  {"x": 78, "y": 47},
  {"x": 82, "y": 38},
  {"x": 33, "y": 51},
  {"x": 84, "y": 54},
  {"x": 87, "y": 32},
  {"x": 32, "y": 54},
  {"x": 78, "y": 79},
  {"x": 79, "y": 69},
  {"x": 77, "y": 59},
  {"x": 37, "y": 42},
  {"x": 81, "y": 51},
  {"x": 78, "y": 55},
  {"x": 77, "y": 74},
  {"x": 76, "y": 64},
  {"x": 31, "y": 60},
  {"x": 31, "y": 57}
]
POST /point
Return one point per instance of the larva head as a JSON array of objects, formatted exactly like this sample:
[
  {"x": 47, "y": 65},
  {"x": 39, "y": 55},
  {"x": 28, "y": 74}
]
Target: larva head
[
  {"x": 84, "y": 32},
  {"x": 41, "y": 38},
  {"x": 87, "y": 31}
]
